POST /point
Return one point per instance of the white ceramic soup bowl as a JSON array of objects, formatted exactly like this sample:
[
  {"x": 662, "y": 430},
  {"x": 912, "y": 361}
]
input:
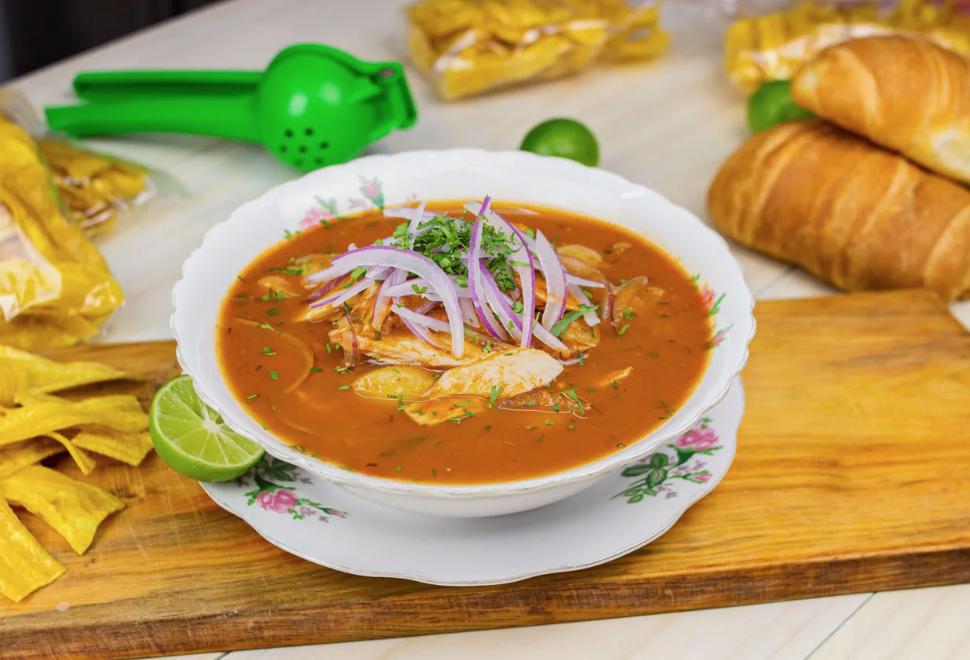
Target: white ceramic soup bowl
[{"x": 376, "y": 181}]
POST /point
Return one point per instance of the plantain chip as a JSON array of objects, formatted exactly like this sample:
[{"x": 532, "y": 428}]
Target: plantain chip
[
  {"x": 121, "y": 412},
  {"x": 130, "y": 448},
  {"x": 22, "y": 372},
  {"x": 74, "y": 509},
  {"x": 24, "y": 565},
  {"x": 18, "y": 455},
  {"x": 84, "y": 462}
]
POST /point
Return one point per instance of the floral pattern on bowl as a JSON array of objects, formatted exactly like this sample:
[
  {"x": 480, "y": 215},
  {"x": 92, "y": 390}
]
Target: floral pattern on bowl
[{"x": 587, "y": 529}]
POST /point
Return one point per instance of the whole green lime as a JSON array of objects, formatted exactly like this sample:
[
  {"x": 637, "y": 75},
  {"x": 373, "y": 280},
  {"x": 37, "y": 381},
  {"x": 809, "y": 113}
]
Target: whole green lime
[
  {"x": 566, "y": 138},
  {"x": 772, "y": 104}
]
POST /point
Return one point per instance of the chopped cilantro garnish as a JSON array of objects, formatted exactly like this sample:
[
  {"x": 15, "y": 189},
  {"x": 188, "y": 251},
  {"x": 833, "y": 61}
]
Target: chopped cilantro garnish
[
  {"x": 549, "y": 422},
  {"x": 622, "y": 331},
  {"x": 496, "y": 390},
  {"x": 289, "y": 270},
  {"x": 251, "y": 397},
  {"x": 572, "y": 395},
  {"x": 265, "y": 326},
  {"x": 419, "y": 289},
  {"x": 344, "y": 387},
  {"x": 274, "y": 311},
  {"x": 268, "y": 351},
  {"x": 273, "y": 375},
  {"x": 487, "y": 347},
  {"x": 628, "y": 313},
  {"x": 517, "y": 306},
  {"x": 560, "y": 326},
  {"x": 530, "y": 404},
  {"x": 315, "y": 370}
]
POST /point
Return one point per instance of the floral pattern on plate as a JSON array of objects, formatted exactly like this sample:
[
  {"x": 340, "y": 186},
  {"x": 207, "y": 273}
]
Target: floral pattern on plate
[
  {"x": 587, "y": 529},
  {"x": 658, "y": 473},
  {"x": 272, "y": 496}
]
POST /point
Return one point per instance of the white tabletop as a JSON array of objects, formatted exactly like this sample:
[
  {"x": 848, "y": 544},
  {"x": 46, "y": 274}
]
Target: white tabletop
[{"x": 667, "y": 125}]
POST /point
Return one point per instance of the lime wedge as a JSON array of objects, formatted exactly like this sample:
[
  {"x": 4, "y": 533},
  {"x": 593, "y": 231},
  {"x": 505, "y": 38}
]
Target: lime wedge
[{"x": 193, "y": 439}]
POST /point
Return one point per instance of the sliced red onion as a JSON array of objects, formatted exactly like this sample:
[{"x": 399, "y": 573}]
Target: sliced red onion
[
  {"x": 419, "y": 325},
  {"x": 568, "y": 363},
  {"x": 408, "y": 213},
  {"x": 555, "y": 281},
  {"x": 468, "y": 311},
  {"x": 499, "y": 303},
  {"x": 417, "y": 217},
  {"x": 422, "y": 320},
  {"x": 407, "y": 289},
  {"x": 326, "y": 288},
  {"x": 377, "y": 272},
  {"x": 422, "y": 267},
  {"x": 335, "y": 298},
  {"x": 526, "y": 273},
  {"x": 329, "y": 274},
  {"x": 582, "y": 281},
  {"x": 549, "y": 339},
  {"x": 383, "y": 300},
  {"x": 476, "y": 286},
  {"x": 580, "y": 295}
]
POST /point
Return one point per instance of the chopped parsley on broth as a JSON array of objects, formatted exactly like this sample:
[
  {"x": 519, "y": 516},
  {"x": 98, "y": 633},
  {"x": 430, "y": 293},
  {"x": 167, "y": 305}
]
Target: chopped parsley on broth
[{"x": 380, "y": 384}]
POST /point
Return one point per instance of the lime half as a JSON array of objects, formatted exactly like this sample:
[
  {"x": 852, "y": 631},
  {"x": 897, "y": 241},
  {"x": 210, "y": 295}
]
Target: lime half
[{"x": 193, "y": 439}]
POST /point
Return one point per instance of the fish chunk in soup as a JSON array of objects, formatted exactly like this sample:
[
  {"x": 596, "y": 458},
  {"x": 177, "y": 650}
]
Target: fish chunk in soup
[{"x": 463, "y": 344}]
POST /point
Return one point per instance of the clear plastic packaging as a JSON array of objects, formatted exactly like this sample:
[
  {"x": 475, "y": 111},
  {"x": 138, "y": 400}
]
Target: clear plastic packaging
[
  {"x": 55, "y": 288},
  {"x": 95, "y": 188},
  {"x": 772, "y": 46},
  {"x": 467, "y": 47}
]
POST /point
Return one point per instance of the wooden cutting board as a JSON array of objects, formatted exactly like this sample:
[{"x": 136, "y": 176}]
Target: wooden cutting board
[{"x": 851, "y": 476}]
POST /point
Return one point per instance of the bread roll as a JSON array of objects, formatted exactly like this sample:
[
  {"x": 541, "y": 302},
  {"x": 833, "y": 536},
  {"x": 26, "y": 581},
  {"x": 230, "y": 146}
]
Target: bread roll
[
  {"x": 904, "y": 93},
  {"x": 853, "y": 214}
]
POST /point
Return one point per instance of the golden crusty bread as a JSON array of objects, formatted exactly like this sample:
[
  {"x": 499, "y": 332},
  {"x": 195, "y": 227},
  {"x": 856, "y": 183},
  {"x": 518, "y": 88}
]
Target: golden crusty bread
[
  {"x": 853, "y": 214},
  {"x": 904, "y": 93}
]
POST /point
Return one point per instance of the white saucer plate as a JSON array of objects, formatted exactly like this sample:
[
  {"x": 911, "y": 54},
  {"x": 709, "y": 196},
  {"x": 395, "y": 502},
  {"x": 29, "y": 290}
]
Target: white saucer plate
[{"x": 324, "y": 524}]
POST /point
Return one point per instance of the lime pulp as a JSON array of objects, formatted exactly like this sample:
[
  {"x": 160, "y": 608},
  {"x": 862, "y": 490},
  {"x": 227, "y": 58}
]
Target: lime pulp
[{"x": 192, "y": 438}]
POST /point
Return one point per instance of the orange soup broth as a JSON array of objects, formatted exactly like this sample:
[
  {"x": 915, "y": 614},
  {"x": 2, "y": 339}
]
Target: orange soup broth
[{"x": 667, "y": 348}]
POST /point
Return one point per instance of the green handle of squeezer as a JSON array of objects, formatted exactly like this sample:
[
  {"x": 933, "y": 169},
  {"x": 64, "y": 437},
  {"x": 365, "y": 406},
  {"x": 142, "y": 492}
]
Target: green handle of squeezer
[{"x": 213, "y": 103}]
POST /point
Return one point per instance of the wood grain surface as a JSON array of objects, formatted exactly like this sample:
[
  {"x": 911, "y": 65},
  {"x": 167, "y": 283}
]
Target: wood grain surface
[{"x": 850, "y": 477}]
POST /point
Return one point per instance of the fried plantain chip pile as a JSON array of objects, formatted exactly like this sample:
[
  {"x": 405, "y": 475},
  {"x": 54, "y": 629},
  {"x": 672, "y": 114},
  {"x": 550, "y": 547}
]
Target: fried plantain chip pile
[
  {"x": 55, "y": 288},
  {"x": 471, "y": 46},
  {"x": 36, "y": 424},
  {"x": 94, "y": 188}
]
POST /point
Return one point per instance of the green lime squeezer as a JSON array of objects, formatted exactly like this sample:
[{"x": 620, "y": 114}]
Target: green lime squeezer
[{"x": 313, "y": 106}]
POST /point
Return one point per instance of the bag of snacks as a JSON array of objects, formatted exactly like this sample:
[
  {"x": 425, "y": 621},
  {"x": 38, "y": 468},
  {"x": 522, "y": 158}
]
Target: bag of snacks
[
  {"x": 93, "y": 187},
  {"x": 467, "y": 47},
  {"x": 55, "y": 288},
  {"x": 774, "y": 45}
]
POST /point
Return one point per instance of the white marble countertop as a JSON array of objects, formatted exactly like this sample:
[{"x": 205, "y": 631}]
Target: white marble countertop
[{"x": 667, "y": 125}]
